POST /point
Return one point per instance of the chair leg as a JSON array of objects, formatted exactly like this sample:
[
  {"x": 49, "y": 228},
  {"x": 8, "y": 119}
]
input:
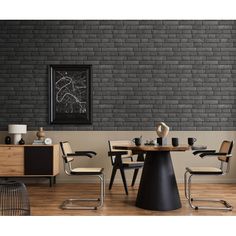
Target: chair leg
[
  {"x": 102, "y": 190},
  {"x": 73, "y": 203},
  {"x": 187, "y": 183},
  {"x": 134, "y": 176},
  {"x": 124, "y": 180},
  {"x": 188, "y": 192},
  {"x": 113, "y": 174}
]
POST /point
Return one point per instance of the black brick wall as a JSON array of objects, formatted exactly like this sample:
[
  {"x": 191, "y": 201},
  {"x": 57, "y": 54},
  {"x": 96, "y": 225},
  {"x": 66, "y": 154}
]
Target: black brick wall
[{"x": 179, "y": 72}]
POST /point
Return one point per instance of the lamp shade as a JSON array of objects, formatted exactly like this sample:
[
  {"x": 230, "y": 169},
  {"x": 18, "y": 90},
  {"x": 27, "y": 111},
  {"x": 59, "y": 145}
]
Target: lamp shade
[{"x": 17, "y": 129}]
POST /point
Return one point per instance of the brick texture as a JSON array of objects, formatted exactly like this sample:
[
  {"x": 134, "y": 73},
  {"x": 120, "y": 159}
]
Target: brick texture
[{"x": 179, "y": 72}]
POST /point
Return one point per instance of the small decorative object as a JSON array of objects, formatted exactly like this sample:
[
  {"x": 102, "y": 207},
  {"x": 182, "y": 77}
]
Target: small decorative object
[
  {"x": 22, "y": 142},
  {"x": 175, "y": 142},
  {"x": 39, "y": 142},
  {"x": 17, "y": 131},
  {"x": 40, "y": 134},
  {"x": 137, "y": 141},
  {"x": 161, "y": 141},
  {"x": 191, "y": 141},
  {"x": 48, "y": 141},
  {"x": 150, "y": 142},
  {"x": 162, "y": 131},
  {"x": 7, "y": 140}
]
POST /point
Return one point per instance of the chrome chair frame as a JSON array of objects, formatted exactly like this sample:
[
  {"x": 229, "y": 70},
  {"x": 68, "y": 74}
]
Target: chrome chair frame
[
  {"x": 224, "y": 158},
  {"x": 73, "y": 203}
]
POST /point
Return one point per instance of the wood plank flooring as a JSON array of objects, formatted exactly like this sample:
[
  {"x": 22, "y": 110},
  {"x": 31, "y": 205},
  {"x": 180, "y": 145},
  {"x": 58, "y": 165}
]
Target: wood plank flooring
[{"x": 46, "y": 201}]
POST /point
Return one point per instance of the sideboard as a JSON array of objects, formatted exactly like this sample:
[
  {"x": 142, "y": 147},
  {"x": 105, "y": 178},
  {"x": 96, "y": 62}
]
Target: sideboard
[{"x": 29, "y": 161}]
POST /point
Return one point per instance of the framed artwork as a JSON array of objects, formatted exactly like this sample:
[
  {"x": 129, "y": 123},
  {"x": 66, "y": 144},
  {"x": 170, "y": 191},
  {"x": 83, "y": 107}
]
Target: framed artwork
[{"x": 70, "y": 94}]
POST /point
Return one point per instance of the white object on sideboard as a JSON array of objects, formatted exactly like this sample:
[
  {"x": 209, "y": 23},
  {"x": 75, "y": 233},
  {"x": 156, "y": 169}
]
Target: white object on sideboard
[{"x": 17, "y": 130}]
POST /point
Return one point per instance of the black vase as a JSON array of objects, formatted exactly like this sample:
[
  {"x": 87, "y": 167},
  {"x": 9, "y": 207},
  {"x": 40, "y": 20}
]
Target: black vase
[
  {"x": 7, "y": 140},
  {"x": 22, "y": 142}
]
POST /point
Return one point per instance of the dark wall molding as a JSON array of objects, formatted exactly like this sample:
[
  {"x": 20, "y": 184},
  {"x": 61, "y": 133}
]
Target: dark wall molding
[{"x": 179, "y": 72}]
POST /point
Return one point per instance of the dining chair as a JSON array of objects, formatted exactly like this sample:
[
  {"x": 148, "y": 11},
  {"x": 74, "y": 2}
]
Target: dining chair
[
  {"x": 123, "y": 160},
  {"x": 224, "y": 155},
  {"x": 70, "y": 169}
]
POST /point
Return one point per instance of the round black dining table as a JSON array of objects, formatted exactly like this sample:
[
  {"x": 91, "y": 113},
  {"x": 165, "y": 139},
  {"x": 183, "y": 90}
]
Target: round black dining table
[{"x": 158, "y": 189}]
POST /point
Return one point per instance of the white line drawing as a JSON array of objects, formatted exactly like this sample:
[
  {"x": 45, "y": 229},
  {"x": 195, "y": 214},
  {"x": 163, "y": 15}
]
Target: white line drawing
[{"x": 71, "y": 92}]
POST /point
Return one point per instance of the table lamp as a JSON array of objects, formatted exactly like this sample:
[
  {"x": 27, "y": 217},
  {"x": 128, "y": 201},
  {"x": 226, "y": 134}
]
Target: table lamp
[{"x": 17, "y": 131}]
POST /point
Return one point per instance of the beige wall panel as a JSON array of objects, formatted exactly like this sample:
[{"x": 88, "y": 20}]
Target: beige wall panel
[
  {"x": 98, "y": 141},
  {"x": 56, "y": 159}
]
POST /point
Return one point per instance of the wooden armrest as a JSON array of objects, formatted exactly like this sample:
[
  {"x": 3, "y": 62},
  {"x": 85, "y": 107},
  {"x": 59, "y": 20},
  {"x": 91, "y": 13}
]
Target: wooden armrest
[
  {"x": 90, "y": 152},
  {"x": 117, "y": 153},
  {"x": 79, "y": 154},
  {"x": 203, "y": 151},
  {"x": 213, "y": 154}
]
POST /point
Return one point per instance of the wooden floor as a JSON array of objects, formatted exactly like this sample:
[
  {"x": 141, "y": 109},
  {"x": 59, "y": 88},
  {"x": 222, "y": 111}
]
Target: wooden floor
[{"x": 46, "y": 201}]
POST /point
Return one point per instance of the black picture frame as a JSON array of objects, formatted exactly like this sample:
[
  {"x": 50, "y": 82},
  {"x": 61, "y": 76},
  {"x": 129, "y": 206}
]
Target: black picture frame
[{"x": 70, "y": 94}]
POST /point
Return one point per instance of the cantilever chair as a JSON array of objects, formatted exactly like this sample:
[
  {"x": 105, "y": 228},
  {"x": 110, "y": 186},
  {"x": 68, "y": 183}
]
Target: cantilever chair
[
  {"x": 68, "y": 156},
  {"x": 123, "y": 160},
  {"x": 223, "y": 156}
]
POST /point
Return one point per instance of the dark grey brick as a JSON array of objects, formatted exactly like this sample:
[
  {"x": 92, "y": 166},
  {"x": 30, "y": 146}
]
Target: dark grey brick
[{"x": 181, "y": 72}]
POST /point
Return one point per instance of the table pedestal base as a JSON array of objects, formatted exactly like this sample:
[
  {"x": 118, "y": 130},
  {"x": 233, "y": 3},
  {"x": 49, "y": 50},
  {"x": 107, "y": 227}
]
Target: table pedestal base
[{"x": 158, "y": 189}]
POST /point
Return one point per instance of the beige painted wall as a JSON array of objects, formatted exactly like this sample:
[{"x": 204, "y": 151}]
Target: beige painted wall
[{"x": 97, "y": 141}]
